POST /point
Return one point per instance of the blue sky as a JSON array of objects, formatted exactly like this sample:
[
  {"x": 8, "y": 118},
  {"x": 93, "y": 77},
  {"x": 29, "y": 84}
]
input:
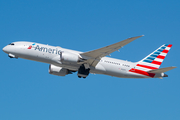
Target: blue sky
[{"x": 28, "y": 91}]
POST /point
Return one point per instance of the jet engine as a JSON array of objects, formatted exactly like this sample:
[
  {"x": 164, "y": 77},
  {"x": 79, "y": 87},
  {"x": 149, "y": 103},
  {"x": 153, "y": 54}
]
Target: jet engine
[
  {"x": 59, "y": 71},
  {"x": 67, "y": 57}
]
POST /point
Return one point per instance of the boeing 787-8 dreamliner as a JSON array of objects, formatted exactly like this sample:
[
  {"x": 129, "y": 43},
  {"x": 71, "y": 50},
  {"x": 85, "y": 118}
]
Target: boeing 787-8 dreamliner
[{"x": 65, "y": 61}]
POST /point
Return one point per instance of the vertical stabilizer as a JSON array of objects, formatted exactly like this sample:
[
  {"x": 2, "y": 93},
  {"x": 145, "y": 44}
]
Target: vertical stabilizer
[{"x": 154, "y": 60}]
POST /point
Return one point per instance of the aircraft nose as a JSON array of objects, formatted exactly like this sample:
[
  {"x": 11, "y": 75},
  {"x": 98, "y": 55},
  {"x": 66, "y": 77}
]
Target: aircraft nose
[{"x": 5, "y": 49}]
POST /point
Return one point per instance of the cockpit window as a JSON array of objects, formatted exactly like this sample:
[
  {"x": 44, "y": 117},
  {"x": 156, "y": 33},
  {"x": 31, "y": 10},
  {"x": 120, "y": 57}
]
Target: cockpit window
[{"x": 11, "y": 44}]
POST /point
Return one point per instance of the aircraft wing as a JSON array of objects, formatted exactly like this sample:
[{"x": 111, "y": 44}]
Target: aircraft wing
[{"x": 94, "y": 56}]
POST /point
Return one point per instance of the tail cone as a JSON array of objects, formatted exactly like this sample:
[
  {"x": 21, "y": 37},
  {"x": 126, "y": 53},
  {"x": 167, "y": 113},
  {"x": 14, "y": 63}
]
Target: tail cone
[{"x": 165, "y": 75}]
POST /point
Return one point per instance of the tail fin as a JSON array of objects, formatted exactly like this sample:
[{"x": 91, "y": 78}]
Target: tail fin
[{"x": 154, "y": 60}]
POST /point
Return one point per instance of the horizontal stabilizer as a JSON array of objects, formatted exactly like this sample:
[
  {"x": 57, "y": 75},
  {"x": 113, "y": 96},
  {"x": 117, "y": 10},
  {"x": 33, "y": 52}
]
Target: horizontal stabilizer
[{"x": 161, "y": 70}]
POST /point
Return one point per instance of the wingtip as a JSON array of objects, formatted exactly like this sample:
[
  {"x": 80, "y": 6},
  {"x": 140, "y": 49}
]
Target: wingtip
[
  {"x": 137, "y": 36},
  {"x": 140, "y": 36}
]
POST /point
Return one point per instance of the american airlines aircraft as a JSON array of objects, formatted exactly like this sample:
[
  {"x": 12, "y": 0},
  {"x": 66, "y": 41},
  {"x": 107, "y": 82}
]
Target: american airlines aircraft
[{"x": 65, "y": 61}]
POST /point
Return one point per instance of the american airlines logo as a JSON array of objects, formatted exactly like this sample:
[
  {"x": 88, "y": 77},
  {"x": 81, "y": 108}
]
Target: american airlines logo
[
  {"x": 31, "y": 46},
  {"x": 45, "y": 49}
]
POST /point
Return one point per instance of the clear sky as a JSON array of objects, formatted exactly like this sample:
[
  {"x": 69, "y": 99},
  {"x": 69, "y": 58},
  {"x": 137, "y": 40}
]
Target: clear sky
[{"x": 29, "y": 92}]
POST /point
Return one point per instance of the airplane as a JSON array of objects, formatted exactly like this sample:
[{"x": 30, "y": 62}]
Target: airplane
[{"x": 65, "y": 61}]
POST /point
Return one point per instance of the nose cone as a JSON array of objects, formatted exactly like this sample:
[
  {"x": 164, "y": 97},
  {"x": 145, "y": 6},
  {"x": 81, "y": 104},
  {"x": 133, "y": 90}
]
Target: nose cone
[{"x": 5, "y": 49}]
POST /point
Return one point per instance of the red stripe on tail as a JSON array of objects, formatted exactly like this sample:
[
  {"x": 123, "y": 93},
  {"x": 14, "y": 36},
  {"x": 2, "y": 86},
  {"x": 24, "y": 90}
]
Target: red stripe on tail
[
  {"x": 156, "y": 62},
  {"x": 160, "y": 56},
  {"x": 165, "y": 51},
  {"x": 170, "y": 45},
  {"x": 145, "y": 66}
]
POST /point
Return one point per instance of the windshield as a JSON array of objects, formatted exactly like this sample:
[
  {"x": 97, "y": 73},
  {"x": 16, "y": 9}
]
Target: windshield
[{"x": 11, "y": 44}]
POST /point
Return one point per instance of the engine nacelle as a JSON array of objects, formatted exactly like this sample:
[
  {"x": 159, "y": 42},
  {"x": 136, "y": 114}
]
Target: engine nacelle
[
  {"x": 55, "y": 70},
  {"x": 67, "y": 57}
]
